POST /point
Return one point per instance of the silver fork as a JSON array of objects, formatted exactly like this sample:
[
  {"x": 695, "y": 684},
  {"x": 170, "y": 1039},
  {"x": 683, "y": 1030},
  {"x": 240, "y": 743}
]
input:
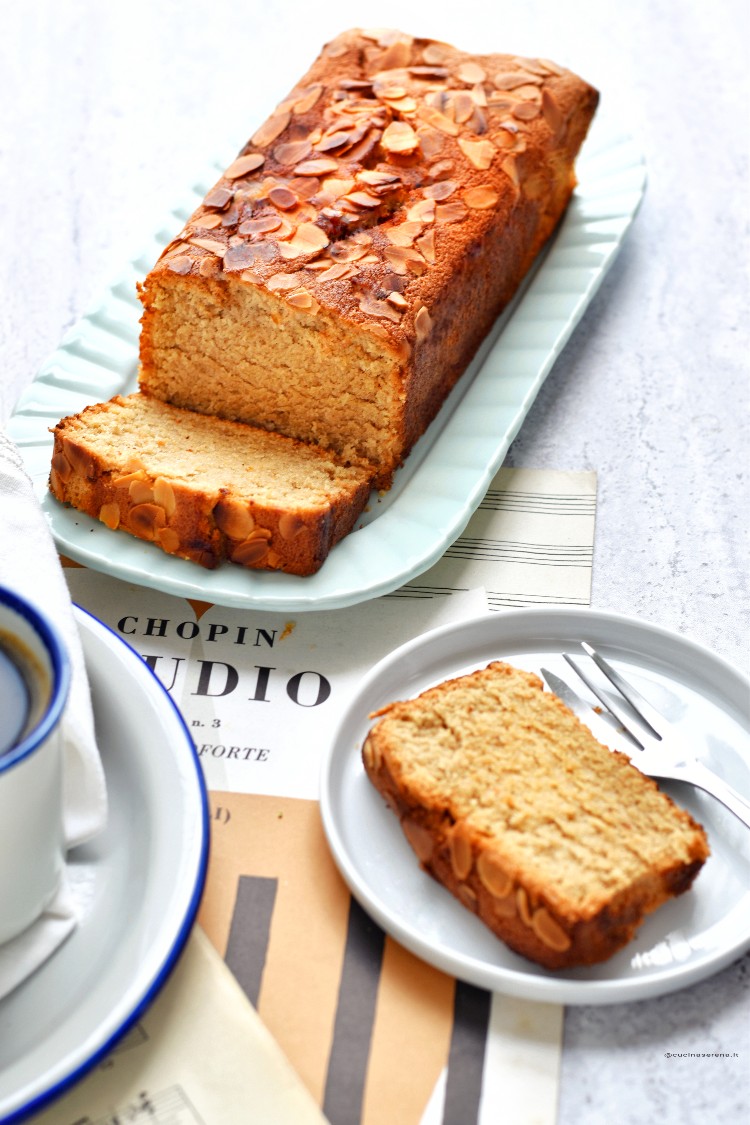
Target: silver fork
[{"x": 659, "y": 751}]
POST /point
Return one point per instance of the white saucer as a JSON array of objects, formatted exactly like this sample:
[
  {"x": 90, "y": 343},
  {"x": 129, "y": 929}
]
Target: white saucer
[
  {"x": 144, "y": 877},
  {"x": 686, "y": 940}
]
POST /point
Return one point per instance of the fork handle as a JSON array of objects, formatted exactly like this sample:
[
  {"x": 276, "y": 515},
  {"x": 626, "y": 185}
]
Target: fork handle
[{"x": 697, "y": 774}]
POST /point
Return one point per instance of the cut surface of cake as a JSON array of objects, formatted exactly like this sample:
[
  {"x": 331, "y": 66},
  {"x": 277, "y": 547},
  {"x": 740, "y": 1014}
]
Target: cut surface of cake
[
  {"x": 339, "y": 277},
  {"x": 560, "y": 845},
  {"x": 206, "y": 489}
]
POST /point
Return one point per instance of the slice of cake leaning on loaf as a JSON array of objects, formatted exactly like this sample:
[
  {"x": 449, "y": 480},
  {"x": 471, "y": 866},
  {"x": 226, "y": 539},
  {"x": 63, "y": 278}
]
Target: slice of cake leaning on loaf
[
  {"x": 339, "y": 277},
  {"x": 560, "y": 845}
]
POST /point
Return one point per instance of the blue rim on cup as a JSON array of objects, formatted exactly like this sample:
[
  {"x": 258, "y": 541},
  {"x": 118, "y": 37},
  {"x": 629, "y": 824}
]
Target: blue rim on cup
[{"x": 60, "y": 674}]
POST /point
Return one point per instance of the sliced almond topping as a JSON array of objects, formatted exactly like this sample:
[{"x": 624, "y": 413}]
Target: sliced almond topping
[
  {"x": 377, "y": 179},
  {"x": 436, "y": 53},
  {"x": 402, "y": 259},
  {"x": 493, "y": 876},
  {"x": 463, "y": 106},
  {"x": 460, "y": 853},
  {"x": 404, "y": 234},
  {"x": 423, "y": 211},
  {"x": 281, "y": 281},
  {"x": 478, "y": 153},
  {"x": 331, "y": 190},
  {"x": 303, "y": 299},
  {"x": 141, "y": 492},
  {"x": 219, "y": 197},
  {"x": 422, "y": 323},
  {"x": 426, "y": 245},
  {"x": 430, "y": 141},
  {"x": 450, "y": 212},
  {"x": 479, "y": 96},
  {"x": 233, "y": 518},
  {"x": 419, "y": 838},
  {"x": 308, "y": 99},
  {"x": 524, "y": 909},
  {"x": 181, "y": 264},
  {"x": 511, "y": 171},
  {"x": 397, "y": 55},
  {"x": 398, "y": 301},
  {"x": 512, "y": 79},
  {"x": 317, "y": 167},
  {"x": 471, "y": 73},
  {"x": 164, "y": 495},
  {"x": 399, "y": 137},
  {"x": 290, "y": 525},
  {"x": 244, "y": 164},
  {"x": 291, "y": 152},
  {"x": 264, "y": 224},
  {"x": 109, "y": 514},
  {"x": 209, "y": 244},
  {"x": 144, "y": 520},
  {"x": 549, "y": 931},
  {"x": 283, "y": 198},
  {"x": 62, "y": 466},
  {"x": 526, "y": 111},
  {"x": 308, "y": 239},
  {"x": 351, "y": 249},
  {"x": 209, "y": 221},
  {"x": 438, "y": 120},
  {"x": 271, "y": 129},
  {"x": 363, "y": 199},
  {"x": 440, "y": 190},
  {"x": 168, "y": 540},
  {"x": 337, "y": 272},
  {"x": 529, "y": 94},
  {"x": 243, "y": 256},
  {"x": 209, "y": 267},
  {"x": 250, "y": 553},
  {"x": 373, "y": 307},
  {"x": 551, "y": 111},
  {"x": 481, "y": 198}
]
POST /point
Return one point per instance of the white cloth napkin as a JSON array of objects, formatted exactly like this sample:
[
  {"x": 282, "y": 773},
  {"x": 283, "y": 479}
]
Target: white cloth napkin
[{"x": 30, "y": 566}]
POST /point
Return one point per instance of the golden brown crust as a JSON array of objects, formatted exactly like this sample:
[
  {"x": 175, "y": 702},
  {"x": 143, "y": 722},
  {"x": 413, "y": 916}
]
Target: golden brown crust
[
  {"x": 191, "y": 518},
  {"x": 401, "y": 191},
  {"x": 527, "y": 904}
]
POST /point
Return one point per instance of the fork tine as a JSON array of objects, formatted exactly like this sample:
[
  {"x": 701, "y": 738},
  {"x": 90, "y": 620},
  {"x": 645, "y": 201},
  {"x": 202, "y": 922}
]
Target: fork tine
[
  {"x": 641, "y": 706},
  {"x": 614, "y": 711}
]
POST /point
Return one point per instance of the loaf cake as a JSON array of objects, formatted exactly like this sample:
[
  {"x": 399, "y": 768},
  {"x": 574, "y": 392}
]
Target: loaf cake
[
  {"x": 560, "y": 845},
  {"x": 204, "y": 488},
  {"x": 338, "y": 278}
]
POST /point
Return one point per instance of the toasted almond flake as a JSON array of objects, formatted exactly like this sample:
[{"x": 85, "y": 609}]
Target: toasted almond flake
[
  {"x": 479, "y": 153},
  {"x": 308, "y": 239},
  {"x": 283, "y": 198},
  {"x": 397, "y": 300},
  {"x": 363, "y": 199},
  {"x": 526, "y": 111},
  {"x": 219, "y": 197},
  {"x": 479, "y": 95},
  {"x": 369, "y": 260},
  {"x": 285, "y": 230},
  {"x": 404, "y": 106},
  {"x": 180, "y": 264},
  {"x": 430, "y": 141},
  {"x": 403, "y": 258},
  {"x": 339, "y": 271},
  {"x": 397, "y": 55},
  {"x": 403, "y": 234},
  {"x": 291, "y": 152},
  {"x": 271, "y": 129},
  {"x": 529, "y": 94},
  {"x": 303, "y": 299},
  {"x": 251, "y": 276},
  {"x": 264, "y": 224},
  {"x": 399, "y": 137},
  {"x": 551, "y": 111},
  {"x": 546, "y": 66},
  {"x": 511, "y": 79},
  {"x": 244, "y": 164},
  {"x": 426, "y": 245},
  {"x": 471, "y": 73},
  {"x": 423, "y": 211},
  {"x": 317, "y": 167},
  {"x": 373, "y": 307},
  {"x": 209, "y": 221},
  {"x": 463, "y": 106},
  {"x": 209, "y": 267},
  {"x": 511, "y": 171},
  {"x": 334, "y": 140},
  {"x": 440, "y": 190},
  {"x": 436, "y": 53},
  {"x": 241, "y": 257},
  {"x": 308, "y": 99},
  {"x": 350, "y": 250},
  {"x": 450, "y": 212},
  {"x": 377, "y": 179},
  {"x": 390, "y": 91},
  {"x": 109, "y": 514},
  {"x": 283, "y": 281},
  {"x": 422, "y": 323},
  {"x": 481, "y": 198},
  {"x": 209, "y": 244},
  {"x": 438, "y": 120}
]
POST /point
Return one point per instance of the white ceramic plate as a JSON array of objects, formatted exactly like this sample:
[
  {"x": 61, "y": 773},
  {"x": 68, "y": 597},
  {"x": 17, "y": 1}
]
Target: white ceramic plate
[
  {"x": 144, "y": 877},
  {"x": 686, "y": 940},
  {"x": 446, "y": 475}
]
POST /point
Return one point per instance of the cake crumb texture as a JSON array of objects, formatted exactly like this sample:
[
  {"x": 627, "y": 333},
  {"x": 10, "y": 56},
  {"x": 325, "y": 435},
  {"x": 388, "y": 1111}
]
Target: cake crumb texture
[{"x": 560, "y": 845}]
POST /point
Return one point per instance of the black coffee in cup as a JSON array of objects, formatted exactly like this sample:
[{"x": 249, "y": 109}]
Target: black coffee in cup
[{"x": 19, "y": 691}]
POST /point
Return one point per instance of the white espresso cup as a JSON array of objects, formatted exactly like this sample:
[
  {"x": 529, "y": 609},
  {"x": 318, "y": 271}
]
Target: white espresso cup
[{"x": 34, "y": 684}]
